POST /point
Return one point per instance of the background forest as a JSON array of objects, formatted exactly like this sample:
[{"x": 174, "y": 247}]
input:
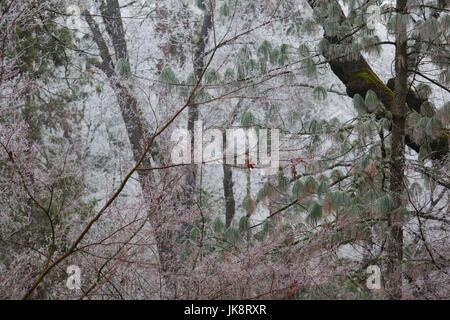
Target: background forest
[{"x": 93, "y": 92}]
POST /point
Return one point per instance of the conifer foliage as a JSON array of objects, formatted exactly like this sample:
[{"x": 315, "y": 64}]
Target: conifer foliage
[{"x": 224, "y": 149}]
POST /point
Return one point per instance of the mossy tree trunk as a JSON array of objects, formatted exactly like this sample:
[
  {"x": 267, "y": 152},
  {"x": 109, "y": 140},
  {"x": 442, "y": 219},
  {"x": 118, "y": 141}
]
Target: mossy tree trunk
[{"x": 358, "y": 77}]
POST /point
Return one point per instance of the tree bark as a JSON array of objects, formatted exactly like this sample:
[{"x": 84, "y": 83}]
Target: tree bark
[
  {"x": 227, "y": 187},
  {"x": 131, "y": 117},
  {"x": 199, "y": 68},
  {"x": 230, "y": 203},
  {"x": 134, "y": 123},
  {"x": 397, "y": 161}
]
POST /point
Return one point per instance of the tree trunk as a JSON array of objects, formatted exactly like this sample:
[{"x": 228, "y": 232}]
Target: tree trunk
[
  {"x": 229, "y": 195},
  {"x": 199, "y": 68},
  {"x": 228, "y": 188},
  {"x": 397, "y": 161},
  {"x": 130, "y": 114},
  {"x": 230, "y": 203}
]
